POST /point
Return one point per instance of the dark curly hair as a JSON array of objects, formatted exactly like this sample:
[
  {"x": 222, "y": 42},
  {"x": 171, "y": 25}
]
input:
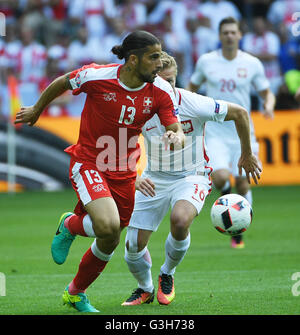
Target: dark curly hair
[{"x": 135, "y": 43}]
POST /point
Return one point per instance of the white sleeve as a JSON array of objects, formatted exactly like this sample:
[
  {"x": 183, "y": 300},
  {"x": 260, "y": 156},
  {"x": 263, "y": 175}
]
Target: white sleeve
[
  {"x": 260, "y": 81},
  {"x": 198, "y": 106},
  {"x": 77, "y": 9},
  {"x": 273, "y": 44},
  {"x": 110, "y": 8},
  {"x": 274, "y": 14},
  {"x": 247, "y": 42},
  {"x": 198, "y": 76}
]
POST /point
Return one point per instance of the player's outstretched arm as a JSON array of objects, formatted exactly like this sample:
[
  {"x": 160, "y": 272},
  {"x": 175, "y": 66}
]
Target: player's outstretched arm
[
  {"x": 145, "y": 186},
  {"x": 31, "y": 114},
  {"x": 247, "y": 160},
  {"x": 192, "y": 87}
]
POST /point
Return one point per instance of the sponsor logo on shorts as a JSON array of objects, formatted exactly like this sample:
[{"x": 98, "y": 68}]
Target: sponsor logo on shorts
[{"x": 99, "y": 188}]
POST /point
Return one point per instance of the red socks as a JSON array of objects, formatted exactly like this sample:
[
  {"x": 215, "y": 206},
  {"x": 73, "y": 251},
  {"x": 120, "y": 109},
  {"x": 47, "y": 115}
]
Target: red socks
[
  {"x": 80, "y": 225},
  {"x": 91, "y": 265}
]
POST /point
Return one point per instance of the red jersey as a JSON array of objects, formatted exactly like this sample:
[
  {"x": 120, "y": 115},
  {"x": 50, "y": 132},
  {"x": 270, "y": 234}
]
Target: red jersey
[{"x": 113, "y": 116}]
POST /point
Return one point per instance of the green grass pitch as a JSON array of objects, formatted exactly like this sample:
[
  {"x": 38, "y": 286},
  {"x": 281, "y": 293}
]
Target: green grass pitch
[{"x": 213, "y": 279}]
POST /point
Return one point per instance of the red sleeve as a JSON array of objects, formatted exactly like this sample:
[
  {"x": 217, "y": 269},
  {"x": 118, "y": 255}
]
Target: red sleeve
[
  {"x": 80, "y": 79},
  {"x": 167, "y": 108}
]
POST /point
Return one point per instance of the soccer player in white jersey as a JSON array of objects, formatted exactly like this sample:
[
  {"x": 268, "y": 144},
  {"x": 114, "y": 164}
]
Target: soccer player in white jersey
[
  {"x": 180, "y": 179},
  {"x": 229, "y": 74}
]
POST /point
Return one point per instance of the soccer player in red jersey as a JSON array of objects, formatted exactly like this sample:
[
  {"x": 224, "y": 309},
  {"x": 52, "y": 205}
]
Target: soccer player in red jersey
[{"x": 120, "y": 99}]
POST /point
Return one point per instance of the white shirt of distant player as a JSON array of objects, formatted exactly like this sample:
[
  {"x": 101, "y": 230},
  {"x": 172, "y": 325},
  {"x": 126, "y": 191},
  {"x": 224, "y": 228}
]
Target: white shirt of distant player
[
  {"x": 268, "y": 43},
  {"x": 204, "y": 40},
  {"x": 29, "y": 60},
  {"x": 93, "y": 13},
  {"x": 133, "y": 13},
  {"x": 178, "y": 11},
  {"x": 80, "y": 54},
  {"x": 194, "y": 110},
  {"x": 217, "y": 11},
  {"x": 3, "y": 60},
  {"x": 230, "y": 80},
  {"x": 283, "y": 11}
]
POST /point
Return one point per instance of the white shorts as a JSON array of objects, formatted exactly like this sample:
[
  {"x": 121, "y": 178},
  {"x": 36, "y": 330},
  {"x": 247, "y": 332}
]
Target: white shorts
[
  {"x": 226, "y": 154},
  {"x": 150, "y": 211}
]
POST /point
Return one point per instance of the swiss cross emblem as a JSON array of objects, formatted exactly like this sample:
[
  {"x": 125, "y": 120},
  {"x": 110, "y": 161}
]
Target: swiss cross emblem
[{"x": 147, "y": 102}]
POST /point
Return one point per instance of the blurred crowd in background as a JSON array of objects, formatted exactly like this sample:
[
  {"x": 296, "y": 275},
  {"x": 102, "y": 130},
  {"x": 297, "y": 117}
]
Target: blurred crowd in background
[{"x": 46, "y": 38}]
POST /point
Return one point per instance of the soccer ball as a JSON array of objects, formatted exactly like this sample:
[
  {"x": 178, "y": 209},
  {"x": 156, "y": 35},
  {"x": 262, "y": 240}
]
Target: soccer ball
[{"x": 231, "y": 214}]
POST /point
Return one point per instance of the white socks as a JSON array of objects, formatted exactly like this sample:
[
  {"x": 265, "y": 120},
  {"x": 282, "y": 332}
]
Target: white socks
[
  {"x": 174, "y": 253},
  {"x": 139, "y": 264},
  {"x": 248, "y": 196}
]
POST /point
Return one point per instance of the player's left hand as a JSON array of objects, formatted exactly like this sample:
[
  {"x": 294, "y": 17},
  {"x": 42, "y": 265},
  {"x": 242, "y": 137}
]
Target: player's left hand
[
  {"x": 27, "y": 115},
  {"x": 251, "y": 166},
  {"x": 268, "y": 112},
  {"x": 145, "y": 186},
  {"x": 297, "y": 95}
]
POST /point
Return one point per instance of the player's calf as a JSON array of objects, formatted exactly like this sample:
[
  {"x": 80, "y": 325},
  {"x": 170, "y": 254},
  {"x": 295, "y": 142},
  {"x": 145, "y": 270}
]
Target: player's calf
[
  {"x": 220, "y": 178},
  {"x": 242, "y": 186}
]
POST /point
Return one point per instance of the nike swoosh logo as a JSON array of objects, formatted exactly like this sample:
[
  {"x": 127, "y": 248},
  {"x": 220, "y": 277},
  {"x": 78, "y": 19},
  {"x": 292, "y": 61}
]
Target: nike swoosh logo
[{"x": 147, "y": 129}]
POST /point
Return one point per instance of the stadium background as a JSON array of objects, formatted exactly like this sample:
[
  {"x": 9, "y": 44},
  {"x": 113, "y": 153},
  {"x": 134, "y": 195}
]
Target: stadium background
[{"x": 45, "y": 38}]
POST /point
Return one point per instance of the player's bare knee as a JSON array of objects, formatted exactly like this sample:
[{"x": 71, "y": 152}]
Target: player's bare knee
[
  {"x": 220, "y": 177},
  {"x": 180, "y": 223},
  {"x": 107, "y": 227},
  {"x": 180, "y": 220},
  {"x": 182, "y": 215}
]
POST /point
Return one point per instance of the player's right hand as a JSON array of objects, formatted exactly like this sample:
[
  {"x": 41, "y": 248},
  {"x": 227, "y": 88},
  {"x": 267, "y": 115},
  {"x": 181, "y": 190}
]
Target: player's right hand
[
  {"x": 175, "y": 140},
  {"x": 252, "y": 167},
  {"x": 27, "y": 115},
  {"x": 145, "y": 185}
]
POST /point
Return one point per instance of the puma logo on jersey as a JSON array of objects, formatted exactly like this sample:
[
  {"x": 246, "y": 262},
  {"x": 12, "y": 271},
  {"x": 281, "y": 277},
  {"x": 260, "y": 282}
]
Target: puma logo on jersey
[{"x": 131, "y": 99}]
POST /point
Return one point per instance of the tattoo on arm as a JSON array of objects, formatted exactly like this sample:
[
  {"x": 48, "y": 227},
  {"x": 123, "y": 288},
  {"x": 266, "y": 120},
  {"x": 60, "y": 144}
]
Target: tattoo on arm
[{"x": 68, "y": 84}]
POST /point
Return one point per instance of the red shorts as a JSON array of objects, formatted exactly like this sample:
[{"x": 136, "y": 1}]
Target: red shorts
[{"x": 90, "y": 184}]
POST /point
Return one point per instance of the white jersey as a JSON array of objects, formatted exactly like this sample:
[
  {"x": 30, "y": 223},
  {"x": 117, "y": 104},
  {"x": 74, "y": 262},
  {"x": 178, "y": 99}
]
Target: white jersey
[
  {"x": 230, "y": 80},
  {"x": 194, "y": 110}
]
